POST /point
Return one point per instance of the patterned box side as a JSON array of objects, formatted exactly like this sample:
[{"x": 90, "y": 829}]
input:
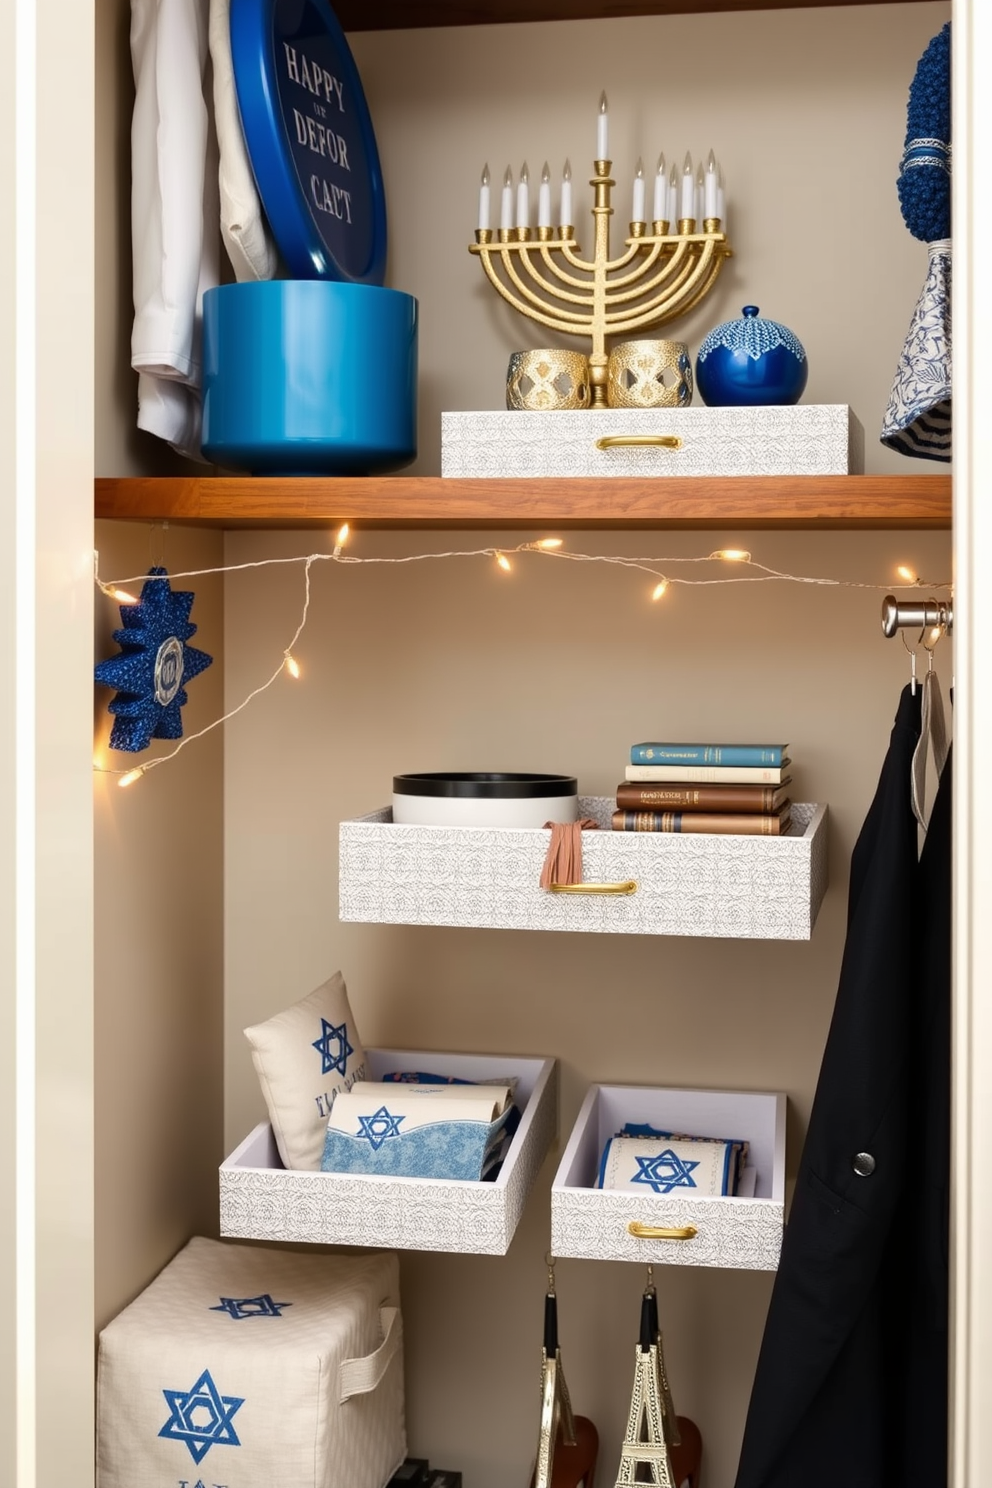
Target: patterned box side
[
  {"x": 736, "y": 1234},
  {"x": 705, "y": 885},
  {"x": 807, "y": 439}
]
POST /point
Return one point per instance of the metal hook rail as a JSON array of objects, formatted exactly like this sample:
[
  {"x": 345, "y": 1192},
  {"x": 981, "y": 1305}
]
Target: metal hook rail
[{"x": 916, "y": 615}]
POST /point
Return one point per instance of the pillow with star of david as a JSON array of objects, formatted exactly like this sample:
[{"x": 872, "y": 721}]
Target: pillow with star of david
[{"x": 303, "y": 1057}]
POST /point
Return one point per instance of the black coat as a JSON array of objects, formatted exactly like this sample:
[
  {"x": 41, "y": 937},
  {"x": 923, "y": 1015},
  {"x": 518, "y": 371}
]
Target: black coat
[{"x": 851, "y": 1381}]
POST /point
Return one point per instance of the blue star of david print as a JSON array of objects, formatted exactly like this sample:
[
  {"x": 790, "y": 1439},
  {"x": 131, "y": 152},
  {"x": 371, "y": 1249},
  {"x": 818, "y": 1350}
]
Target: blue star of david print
[
  {"x": 201, "y": 1417},
  {"x": 153, "y": 665},
  {"x": 333, "y": 1036},
  {"x": 379, "y": 1128},
  {"x": 665, "y": 1172},
  {"x": 246, "y": 1307}
]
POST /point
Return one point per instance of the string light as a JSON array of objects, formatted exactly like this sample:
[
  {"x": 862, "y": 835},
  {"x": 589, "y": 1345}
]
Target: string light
[
  {"x": 548, "y": 547},
  {"x": 907, "y": 574}
]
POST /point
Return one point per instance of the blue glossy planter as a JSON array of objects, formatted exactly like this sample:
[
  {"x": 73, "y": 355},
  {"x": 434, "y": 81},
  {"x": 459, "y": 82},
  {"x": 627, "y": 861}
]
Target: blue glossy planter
[
  {"x": 751, "y": 362},
  {"x": 309, "y": 377}
]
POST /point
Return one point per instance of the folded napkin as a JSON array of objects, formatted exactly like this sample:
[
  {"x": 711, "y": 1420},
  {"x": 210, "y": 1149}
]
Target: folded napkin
[
  {"x": 410, "y": 1131},
  {"x": 671, "y": 1162}
]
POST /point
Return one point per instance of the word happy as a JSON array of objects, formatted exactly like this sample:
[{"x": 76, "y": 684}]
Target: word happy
[{"x": 318, "y": 137}]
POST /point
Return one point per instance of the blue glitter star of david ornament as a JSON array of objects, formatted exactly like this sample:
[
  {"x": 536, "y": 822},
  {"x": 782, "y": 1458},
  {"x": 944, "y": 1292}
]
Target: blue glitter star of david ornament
[
  {"x": 246, "y": 1307},
  {"x": 333, "y": 1047},
  {"x": 201, "y": 1417},
  {"x": 154, "y": 665},
  {"x": 665, "y": 1172},
  {"x": 379, "y": 1128}
]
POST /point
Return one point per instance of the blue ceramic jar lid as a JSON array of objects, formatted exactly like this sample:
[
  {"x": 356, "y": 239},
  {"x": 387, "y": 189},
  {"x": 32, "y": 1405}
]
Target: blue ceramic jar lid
[
  {"x": 751, "y": 336},
  {"x": 310, "y": 139}
]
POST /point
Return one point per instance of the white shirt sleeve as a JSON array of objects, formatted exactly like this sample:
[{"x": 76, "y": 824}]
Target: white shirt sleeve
[
  {"x": 243, "y": 225},
  {"x": 174, "y": 209}
]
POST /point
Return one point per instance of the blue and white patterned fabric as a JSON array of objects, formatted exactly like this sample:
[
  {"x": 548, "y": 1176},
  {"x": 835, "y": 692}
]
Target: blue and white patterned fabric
[
  {"x": 430, "y": 1132},
  {"x": 917, "y": 420}
]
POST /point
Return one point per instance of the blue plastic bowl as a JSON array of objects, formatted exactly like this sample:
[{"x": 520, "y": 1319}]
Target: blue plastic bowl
[{"x": 308, "y": 377}]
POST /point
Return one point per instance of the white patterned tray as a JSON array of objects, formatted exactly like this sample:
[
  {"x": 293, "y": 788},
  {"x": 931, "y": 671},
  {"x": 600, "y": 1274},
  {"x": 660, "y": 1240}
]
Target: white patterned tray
[
  {"x": 262, "y": 1200},
  {"x": 739, "y": 1233},
  {"x": 807, "y": 439},
  {"x": 766, "y": 888}
]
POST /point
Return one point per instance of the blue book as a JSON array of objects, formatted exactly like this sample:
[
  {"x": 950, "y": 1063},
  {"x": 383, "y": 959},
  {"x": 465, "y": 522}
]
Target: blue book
[{"x": 707, "y": 754}]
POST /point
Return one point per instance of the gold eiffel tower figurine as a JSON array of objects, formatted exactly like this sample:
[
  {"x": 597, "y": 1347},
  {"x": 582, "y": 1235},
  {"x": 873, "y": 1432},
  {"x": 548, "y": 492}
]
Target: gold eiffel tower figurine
[
  {"x": 645, "y": 1443},
  {"x": 556, "y": 1407}
]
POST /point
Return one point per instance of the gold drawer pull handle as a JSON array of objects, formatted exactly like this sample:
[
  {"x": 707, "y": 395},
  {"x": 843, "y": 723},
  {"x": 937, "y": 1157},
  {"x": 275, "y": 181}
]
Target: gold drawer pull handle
[
  {"x": 629, "y": 886},
  {"x": 654, "y": 441},
  {"x": 661, "y": 1232}
]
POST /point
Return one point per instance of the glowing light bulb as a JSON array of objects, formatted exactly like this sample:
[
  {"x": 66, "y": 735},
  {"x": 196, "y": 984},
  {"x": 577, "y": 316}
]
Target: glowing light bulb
[
  {"x": 733, "y": 555},
  {"x": 906, "y": 573},
  {"x": 503, "y": 562},
  {"x": 292, "y": 666},
  {"x": 342, "y": 537},
  {"x": 549, "y": 542},
  {"x": 121, "y": 595},
  {"x": 659, "y": 589},
  {"x": 130, "y": 777}
]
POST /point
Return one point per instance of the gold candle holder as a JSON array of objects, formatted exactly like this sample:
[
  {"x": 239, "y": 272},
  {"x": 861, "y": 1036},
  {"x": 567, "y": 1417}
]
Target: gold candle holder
[{"x": 660, "y": 275}]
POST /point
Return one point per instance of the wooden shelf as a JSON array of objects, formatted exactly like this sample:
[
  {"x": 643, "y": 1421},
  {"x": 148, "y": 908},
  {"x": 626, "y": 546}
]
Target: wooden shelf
[
  {"x": 802, "y": 502},
  {"x": 388, "y": 15}
]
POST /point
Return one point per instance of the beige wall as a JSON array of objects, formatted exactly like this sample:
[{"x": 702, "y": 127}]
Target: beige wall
[{"x": 159, "y": 954}]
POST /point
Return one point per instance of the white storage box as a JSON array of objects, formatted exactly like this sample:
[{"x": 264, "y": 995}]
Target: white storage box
[
  {"x": 610, "y": 1225},
  {"x": 261, "y": 1200},
  {"x": 807, "y": 439},
  {"x": 253, "y": 1367},
  {"x": 749, "y": 887}
]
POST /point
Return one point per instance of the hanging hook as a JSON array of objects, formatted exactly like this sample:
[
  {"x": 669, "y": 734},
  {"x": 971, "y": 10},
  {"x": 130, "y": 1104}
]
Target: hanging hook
[
  {"x": 912, "y": 657},
  {"x": 931, "y": 638},
  {"x": 156, "y": 544}
]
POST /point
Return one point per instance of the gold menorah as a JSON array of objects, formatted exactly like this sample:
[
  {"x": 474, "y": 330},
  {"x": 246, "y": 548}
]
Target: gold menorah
[{"x": 675, "y": 271}]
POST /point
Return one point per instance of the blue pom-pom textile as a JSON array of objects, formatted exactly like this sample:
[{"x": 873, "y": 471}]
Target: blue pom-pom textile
[
  {"x": 153, "y": 664},
  {"x": 925, "y": 171}
]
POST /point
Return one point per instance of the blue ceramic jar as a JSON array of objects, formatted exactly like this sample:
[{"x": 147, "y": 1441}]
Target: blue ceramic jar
[{"x": 751, "y": 361}]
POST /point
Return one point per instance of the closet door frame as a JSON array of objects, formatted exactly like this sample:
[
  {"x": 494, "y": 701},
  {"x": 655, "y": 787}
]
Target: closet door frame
[{"x": 971, "y": 1224}]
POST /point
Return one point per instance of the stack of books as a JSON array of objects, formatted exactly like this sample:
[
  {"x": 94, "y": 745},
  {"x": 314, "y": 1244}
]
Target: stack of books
[{"x": 726, "y": 788}]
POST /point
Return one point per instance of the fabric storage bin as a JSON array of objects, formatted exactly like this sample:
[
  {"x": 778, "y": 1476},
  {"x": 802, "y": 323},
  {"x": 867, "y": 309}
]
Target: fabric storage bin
[
  {"x": 249, "y": 1367},
  {"x": 261, "y": 1200},
  {"x": 749, "y": 887},
  {"x": 743, "y": 1233},
  {"x": 806, "y": 439}
]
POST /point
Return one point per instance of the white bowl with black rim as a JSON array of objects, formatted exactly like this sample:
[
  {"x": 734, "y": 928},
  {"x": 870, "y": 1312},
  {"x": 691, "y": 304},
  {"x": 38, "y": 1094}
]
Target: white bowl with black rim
[{"x": 462, "y": 798}]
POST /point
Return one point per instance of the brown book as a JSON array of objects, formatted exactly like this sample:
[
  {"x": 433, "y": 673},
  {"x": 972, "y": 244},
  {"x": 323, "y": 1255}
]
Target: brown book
[
  {"x": 752, "y": 798},
  {"x": 721, "y": 823}
]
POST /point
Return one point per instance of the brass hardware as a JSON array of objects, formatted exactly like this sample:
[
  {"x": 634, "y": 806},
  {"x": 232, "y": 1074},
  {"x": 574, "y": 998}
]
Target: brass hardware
[
  {"x": 656, "y": 441},
  {"x": 661, "y": 1232},
  {"x": 629, "y": 886},
  {"x": 656, "y": 277}
]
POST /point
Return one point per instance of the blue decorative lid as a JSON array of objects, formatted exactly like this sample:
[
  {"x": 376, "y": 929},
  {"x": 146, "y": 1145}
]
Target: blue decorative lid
[
  {"x": 310, "y": 139},
  {"x": 751, "y": 336}
]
